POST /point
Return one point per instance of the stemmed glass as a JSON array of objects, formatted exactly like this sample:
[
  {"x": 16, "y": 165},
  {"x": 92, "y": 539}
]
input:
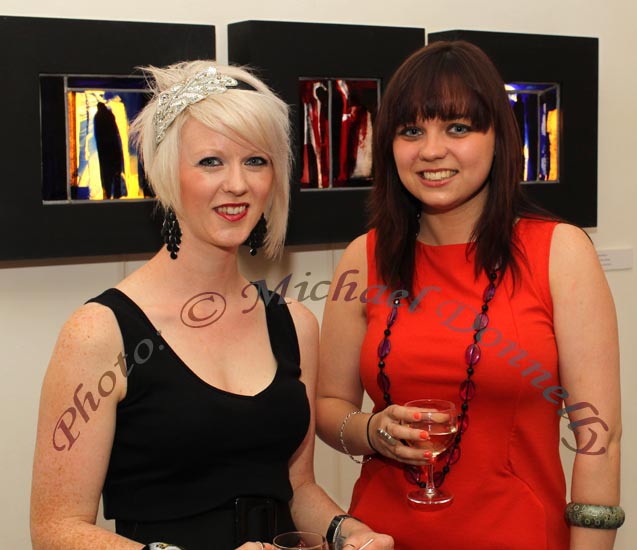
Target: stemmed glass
[
  {"x": 440, "y": 419},
  {"x": 304, "y": 540}
]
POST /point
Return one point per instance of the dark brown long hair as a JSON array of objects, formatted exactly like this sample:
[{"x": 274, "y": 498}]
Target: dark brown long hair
[{"x": 447, "y": 80}]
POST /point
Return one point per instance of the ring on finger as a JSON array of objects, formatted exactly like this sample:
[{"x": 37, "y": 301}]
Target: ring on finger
[
  {"x": 261, "y": 545},
  {"x": 387, "y": 437}
]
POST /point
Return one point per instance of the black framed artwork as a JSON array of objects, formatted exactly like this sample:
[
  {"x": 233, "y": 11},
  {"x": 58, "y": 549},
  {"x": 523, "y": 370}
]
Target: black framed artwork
[
  {"x": 553, "y": 87},
  {"x": 332, "y": 76},
  {"x": 60, "y": 70}
]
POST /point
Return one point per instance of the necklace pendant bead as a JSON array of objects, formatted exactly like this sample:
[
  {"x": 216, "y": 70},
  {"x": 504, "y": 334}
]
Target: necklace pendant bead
[
  {"x": 481, "y": 321},
  {"x": 455, "y": 456},
  {"x": 472, "y": 354},
  {"x": 464, "y": 423},
  {"x": 383, "y": 383},
  {"x": 489, "y": 293},
  {"x": 384, "y": 348},
  {"x": 467, "y": 390},
  {"x": 412, "y": 475},
  {"x": 391, "y": 318}
]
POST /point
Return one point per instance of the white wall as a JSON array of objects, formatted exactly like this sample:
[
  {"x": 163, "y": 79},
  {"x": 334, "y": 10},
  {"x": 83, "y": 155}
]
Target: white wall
[{"x": 35, "y": 300}]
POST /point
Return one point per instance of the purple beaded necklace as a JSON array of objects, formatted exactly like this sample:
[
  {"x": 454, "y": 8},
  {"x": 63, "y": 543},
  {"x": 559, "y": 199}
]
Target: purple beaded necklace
[{"x": 467, "y": 387}]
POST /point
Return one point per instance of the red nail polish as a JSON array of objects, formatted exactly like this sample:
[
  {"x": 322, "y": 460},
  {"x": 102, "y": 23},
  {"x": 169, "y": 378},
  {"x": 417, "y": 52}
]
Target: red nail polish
[
  {"x": 424, "y": 434},
  {"x": 416, "y": 416},
  {"x": 428, "y": 454}
]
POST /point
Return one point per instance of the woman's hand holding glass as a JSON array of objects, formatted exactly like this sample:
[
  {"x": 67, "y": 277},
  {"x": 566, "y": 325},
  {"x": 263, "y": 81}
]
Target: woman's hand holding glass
[
  {"x": 391, "y": 434},
  {"x": 416, "y": 434}
]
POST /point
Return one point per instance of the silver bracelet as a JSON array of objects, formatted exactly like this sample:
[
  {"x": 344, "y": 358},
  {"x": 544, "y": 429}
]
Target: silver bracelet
[{"x": 342, "y": 440}]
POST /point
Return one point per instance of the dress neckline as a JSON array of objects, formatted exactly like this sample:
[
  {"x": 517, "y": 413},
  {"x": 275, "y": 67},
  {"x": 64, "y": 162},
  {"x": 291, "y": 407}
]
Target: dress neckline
[
  {"x": 519, "y": 224},
  {"x": 166, "y": 346}
]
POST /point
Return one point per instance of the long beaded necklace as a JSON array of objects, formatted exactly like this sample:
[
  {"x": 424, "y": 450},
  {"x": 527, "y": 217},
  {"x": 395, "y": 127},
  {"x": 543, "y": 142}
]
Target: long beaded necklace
[{"x": 467, "y": 387}]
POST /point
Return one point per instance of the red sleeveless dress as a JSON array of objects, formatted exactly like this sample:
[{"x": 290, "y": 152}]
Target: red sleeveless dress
[{"x": 508, "y": 485}]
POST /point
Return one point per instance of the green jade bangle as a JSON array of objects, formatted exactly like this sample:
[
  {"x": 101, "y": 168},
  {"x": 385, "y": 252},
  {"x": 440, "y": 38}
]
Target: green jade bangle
[{"x": 594, "y": 516}]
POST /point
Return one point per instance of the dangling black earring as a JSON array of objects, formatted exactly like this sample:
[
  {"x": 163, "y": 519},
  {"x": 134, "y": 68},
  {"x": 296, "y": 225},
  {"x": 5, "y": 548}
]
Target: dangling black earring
[
  {"x": 257, "y": 236},
  {"x": 171, "y": 233}
]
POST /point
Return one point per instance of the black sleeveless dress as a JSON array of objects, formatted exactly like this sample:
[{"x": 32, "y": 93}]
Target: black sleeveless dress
[{"x": 194, "y": 465}]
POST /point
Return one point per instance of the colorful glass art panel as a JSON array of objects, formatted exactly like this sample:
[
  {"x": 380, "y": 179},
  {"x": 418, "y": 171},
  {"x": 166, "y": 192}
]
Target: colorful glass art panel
[
  {"x": 101, "y": 161},
  {"x": 315, "y": 101},
  {"x": 537, "y": 110},
  {"x": 337, "y": 121}
]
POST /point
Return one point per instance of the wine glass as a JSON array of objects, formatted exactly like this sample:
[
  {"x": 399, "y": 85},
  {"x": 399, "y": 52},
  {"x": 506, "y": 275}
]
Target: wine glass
[
  {"x": 440, "y": 419},
  {"x": 304, "y": 540}
]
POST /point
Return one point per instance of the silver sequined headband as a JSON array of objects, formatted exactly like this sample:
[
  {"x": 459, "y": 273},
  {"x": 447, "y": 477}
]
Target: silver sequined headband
[{"x": 198, "y": 87}]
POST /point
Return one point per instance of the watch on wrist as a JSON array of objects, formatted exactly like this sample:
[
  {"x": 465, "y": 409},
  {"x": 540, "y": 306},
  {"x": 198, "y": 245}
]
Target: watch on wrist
[
  {"x": 161, "y": 546},
  {"x": 334, "y": 529}
]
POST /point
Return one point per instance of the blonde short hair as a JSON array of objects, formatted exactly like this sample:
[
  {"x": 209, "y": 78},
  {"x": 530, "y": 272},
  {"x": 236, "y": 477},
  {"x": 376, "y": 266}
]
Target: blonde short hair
[{"x": 257, "y": 117}]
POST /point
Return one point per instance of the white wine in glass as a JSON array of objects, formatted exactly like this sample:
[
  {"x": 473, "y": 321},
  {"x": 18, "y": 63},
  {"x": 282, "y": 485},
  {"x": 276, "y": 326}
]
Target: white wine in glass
[{"x": 440, "y": 420}]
